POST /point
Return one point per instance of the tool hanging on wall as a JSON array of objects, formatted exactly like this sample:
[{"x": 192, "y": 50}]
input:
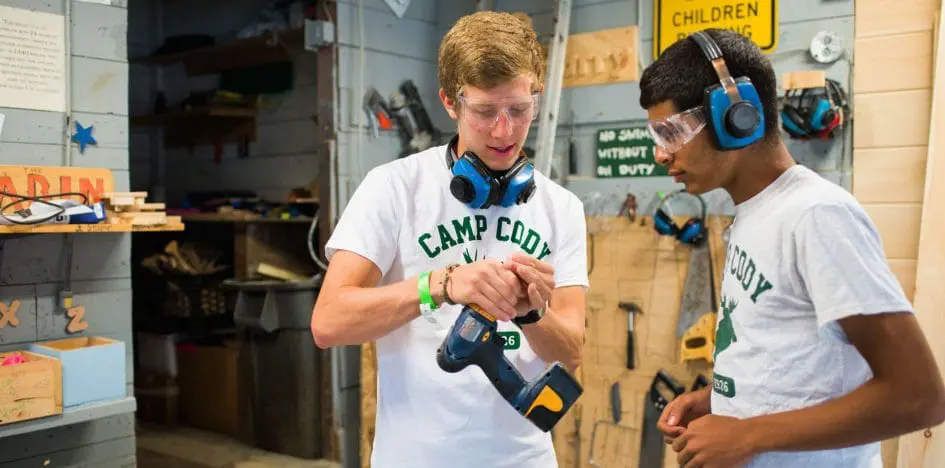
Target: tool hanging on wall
[
  {"x": 696, "y": 325},
  {"x": 655, "y": 400},
  {"x": 377, "y": 111},
  {"x": 629, "y": 207},
  {"x": 817, "y": 112},
  {"x": 610, "y": 441},
  {"x": 631, "y": 308},
  {"x": 417, "y": 132},
  {"x": 692, "y": 232}
]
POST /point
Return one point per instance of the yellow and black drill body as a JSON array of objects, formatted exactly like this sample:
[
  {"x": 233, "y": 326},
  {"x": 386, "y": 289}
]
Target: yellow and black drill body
[{"x": 473, "y": 341}]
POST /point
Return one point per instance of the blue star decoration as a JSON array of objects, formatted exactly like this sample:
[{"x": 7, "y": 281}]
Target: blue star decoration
[{"x": 83, "y": 136}]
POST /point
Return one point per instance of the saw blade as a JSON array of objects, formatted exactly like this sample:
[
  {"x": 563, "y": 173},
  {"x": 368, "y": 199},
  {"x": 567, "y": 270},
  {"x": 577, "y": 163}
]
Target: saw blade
[{"x": 698, "y": 291}]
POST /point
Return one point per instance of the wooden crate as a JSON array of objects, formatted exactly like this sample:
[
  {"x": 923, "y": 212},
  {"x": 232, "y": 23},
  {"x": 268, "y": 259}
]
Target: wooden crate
[{"x": 31, "y": 389}]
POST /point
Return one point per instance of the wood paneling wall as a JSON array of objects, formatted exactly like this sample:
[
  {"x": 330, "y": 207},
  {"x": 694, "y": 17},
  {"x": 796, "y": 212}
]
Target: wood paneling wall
[{"x": 892, "y": 98}]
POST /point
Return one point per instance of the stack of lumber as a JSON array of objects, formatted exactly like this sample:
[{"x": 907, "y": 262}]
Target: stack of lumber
[{"x": 132, "y": 208}]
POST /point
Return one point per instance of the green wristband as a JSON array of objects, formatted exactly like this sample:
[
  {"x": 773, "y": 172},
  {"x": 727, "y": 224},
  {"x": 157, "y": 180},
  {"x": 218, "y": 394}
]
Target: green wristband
[{"x": 423, "y": 287}]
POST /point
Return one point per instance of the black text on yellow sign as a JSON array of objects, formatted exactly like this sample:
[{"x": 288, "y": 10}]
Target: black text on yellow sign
[{"x": 675, "y": 19}]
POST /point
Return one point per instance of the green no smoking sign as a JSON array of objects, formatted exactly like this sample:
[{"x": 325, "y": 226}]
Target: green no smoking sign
[{"x": 627, "y": 152}]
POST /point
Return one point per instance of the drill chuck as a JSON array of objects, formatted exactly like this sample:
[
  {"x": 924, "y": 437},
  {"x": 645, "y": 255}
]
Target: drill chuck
[{"x": 473, "y": 340}]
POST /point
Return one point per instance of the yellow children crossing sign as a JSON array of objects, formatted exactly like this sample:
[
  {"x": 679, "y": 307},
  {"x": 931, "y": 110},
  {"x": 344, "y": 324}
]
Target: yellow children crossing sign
[{"x": 675, "y": 19}]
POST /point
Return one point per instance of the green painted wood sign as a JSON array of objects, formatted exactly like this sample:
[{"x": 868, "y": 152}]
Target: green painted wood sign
[{"x": 627, "y": 152}]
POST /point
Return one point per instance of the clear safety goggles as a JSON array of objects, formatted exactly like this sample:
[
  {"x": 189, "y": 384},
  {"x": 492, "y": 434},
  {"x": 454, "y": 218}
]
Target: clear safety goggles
[
  {"x": 485, "y": 114},
  {"x": 673, "y": 132}
]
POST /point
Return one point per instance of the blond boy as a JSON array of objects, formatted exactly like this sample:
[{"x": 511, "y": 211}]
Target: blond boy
[{"x": 467, "y": 222}]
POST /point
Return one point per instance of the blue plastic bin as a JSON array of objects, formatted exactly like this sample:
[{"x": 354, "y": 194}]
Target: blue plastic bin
[{"x": 93, "y": 368}]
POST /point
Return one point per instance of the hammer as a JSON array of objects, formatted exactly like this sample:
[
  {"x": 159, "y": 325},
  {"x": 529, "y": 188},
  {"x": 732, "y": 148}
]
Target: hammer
[{"x": 631, "y": 308}]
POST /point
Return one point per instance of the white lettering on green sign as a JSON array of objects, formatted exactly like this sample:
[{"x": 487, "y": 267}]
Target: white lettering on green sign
[{"x": 627, "y": 152}]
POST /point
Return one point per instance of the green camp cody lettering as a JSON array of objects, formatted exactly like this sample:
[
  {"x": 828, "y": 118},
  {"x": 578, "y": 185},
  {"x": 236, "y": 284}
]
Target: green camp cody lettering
[
  {"x": 472, "y": 228},
  {"x": 743, "y": 267}
]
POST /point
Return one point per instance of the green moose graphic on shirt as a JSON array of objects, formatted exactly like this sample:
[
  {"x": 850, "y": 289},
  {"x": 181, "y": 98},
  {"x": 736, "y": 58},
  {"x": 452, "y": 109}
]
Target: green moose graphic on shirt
[
  {"x": 724, "y": 337},
  {"x": 725, "y": 333}
]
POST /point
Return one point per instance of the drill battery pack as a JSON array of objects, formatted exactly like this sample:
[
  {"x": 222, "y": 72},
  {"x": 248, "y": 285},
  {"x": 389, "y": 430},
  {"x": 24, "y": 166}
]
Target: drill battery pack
[
  {"x": 549, "y": 397},
  {"x": 473, "y": 340}
]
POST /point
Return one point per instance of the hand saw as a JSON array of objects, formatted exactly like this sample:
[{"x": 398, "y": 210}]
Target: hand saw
[{"x": 699, "y": 289}]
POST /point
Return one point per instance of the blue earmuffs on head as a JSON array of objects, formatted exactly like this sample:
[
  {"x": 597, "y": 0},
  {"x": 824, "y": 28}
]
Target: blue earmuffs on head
[{"x": 733, "y": 107}]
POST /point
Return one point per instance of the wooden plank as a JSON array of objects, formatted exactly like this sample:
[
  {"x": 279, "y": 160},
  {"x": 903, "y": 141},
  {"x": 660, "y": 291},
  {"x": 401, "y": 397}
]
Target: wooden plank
[
  {"x": 99, "y": 31},
  {"x": 803, "y": 79},
  {"x": 93, "y": 228},
  {"x": 894, "y": 62},
  {"x": 884, "y": 175},
  {"x": 898, "y": 224},
  {"x": 66, "y": 437},
  {"x": 916, "y": 450},
  {"x": 109, "y": 453},
  {"x": 602, "y": 57},
  {"x": 899, "y": 118},
  {"x": 885, "y": 17}
]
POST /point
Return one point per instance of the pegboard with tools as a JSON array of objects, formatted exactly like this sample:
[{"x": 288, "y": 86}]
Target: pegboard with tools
[{"x": 637, "y": 288}]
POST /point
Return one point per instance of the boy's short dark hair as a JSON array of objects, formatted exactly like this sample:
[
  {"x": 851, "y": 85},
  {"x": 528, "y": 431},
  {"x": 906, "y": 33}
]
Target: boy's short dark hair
[{"x": 682, "y": 73}]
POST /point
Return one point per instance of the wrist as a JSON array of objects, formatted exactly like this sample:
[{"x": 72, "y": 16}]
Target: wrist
[
  {"x": 755, "y": 437},
  {"x": 436, "y": 286}
]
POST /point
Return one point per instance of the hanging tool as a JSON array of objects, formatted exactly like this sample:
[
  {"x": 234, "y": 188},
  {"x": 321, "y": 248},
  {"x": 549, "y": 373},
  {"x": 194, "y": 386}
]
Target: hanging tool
[
  {"x": 416, "y": 130},
  {"x": 651, "y": 443},
  {"x": 630, "y": 308},
  {"x": 617, "y": 438},
  {"x": 629, "y": 207},
  {"x": 473, "y": 340},
  {"x": 699, "y": 382},
  {"x": 615, "y": 401},
  {"x": 698, "y": 290},
  {"x": 699, "y": 341},
  {"x": 378, "y": 112}
]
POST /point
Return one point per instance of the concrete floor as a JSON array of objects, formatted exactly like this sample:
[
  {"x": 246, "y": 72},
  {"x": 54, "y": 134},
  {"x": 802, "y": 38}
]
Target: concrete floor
[{"x": 183, "y": 447}]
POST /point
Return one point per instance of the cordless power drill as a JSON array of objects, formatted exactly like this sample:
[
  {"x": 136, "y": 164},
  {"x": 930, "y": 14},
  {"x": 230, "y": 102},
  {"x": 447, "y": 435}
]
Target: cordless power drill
[{"x": 473, "y": 340}]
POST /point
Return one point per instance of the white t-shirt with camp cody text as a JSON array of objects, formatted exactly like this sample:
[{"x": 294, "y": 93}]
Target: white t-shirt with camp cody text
[
  {"x": 802, "y": 254},
  {"x": 403, "y": 218}
]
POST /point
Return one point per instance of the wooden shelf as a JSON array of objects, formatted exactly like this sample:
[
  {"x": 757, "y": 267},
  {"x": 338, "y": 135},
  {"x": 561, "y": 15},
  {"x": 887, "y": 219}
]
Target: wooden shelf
[
  {"x": 74, "y": 415},
  {"x": 238, "y": 53},
  {"x": 203, "y": 126},
  {"x": 86, "y": 228},
  {"x": 206, "y": 113},
  {"x": 223, "y": 218}
]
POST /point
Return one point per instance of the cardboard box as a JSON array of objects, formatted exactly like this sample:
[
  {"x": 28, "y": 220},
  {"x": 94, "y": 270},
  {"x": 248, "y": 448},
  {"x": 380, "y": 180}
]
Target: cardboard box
[
  {"x": 30, "y": 389},
  {"x": 209, "y": 383},
  {"x": 93, "y": 368}
]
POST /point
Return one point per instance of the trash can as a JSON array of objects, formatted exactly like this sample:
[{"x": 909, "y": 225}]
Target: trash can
[{"x": 282, "y": 365}]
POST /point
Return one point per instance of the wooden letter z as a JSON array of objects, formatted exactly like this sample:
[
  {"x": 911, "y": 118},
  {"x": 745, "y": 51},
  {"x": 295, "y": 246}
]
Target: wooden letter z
[{"x": 77, "y": 323}]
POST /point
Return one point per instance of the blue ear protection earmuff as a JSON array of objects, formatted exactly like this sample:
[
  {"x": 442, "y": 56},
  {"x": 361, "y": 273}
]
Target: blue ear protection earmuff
[
  {"x": 693, "y": 231},
  {"x": 477, "y": 186},
  {"x": 813, "y": 112},
  {"x": 733, "y": 106}
]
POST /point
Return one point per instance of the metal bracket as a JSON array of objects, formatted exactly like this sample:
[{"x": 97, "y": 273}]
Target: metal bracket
[{"x": 318, "y": 34}]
